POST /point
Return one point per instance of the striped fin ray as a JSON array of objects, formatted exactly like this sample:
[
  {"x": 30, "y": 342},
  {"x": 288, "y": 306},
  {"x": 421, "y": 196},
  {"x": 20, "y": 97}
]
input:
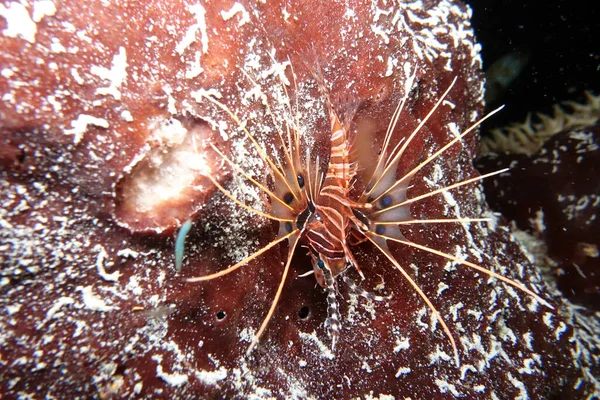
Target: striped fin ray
[
  {"x": 362, "y": 292},
  {"x": 391, "y": 208},
  {"x": 288, "y": 199},
  {"x": 292, "y": 170},
  {"x": 294, "y": 237},
  {"x": 380, "y": 242}
]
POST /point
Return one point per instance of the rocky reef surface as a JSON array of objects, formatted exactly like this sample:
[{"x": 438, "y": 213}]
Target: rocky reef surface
[{"x": 106, "y": 144}]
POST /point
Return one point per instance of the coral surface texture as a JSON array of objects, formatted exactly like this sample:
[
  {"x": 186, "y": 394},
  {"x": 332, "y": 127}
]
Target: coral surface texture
[{"x": 120, "y": 121}]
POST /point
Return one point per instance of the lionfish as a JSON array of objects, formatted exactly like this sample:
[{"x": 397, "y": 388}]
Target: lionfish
[{"x": 316, "y": 207}]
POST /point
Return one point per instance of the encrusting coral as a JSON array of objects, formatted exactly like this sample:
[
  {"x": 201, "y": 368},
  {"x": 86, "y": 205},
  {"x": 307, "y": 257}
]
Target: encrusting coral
[
  {"x": 552, "y": 191},
  {"x": 107, "y": 139}
]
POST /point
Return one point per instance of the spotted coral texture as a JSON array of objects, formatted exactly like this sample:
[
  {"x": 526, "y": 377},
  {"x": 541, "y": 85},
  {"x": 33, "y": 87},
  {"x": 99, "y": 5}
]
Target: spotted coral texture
[{"x": 106, "y": 147}]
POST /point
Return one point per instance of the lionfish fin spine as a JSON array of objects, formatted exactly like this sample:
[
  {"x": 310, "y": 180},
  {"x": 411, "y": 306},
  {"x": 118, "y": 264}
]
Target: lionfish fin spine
[
  {"x": 243, "y": 262},
  {"x": 287, "y": 149},
  {"x": 479, "y": 268},
  {"x": 247, "y": 207},
  {"x": 439, "y": 152},
  {"x": 390, "y": 165},
  {"x": 263, "y": 326},
  {"x": 260, "y": 150},
  {"x": 247, "y": 176},
  {"x": 391, "y": 127},
  {"x": 434, "y": 221},
  {"x": 444, "y": 189},
  {"x": 379, "y": 242}
]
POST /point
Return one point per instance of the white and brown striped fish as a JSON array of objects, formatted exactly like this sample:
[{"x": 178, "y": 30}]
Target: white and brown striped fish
[{"x": 315, "y": 207}]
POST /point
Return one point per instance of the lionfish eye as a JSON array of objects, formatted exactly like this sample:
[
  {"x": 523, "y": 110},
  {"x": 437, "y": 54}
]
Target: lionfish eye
[
  {"x": 300, "y": 181},
  {"x": 320, "y": 264}
]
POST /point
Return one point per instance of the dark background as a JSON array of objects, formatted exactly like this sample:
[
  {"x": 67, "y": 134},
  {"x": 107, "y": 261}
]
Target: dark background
[{"x": 563, "y": 41}]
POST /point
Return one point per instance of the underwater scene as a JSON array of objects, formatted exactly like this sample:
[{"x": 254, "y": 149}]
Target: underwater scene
[{"x": 299, "y": 200}]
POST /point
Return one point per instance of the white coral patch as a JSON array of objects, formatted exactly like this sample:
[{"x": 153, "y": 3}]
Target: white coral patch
[
  {"x": 18, "y": 22},
  {"x": 235, "y": 9},
  {"x": 81, "y": 124},
  {"x": 178, "y": 168},
  {"x": 116, "y": 75},
  {"x": 92, "y": 301},
  {"x": 190, "y": 35}
]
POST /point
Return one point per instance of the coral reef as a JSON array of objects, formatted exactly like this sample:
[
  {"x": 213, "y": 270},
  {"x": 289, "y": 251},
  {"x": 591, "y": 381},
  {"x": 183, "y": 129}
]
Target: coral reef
[
  {"x": 106, "y": 143},
  {"x": 528, "y": 137},
  {"x": 552, "y": 190}
]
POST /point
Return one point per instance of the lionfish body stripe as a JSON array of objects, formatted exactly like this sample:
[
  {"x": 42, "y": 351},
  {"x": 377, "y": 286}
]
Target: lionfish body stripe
[{"x": 316, "y": 207}]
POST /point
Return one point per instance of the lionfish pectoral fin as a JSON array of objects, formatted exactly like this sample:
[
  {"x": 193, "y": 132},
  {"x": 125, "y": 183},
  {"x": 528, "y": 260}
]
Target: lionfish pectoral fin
[
  {"x": 375, "y": 191},
  {"x": 180, "y": 243},
  {"x": 294, "y": 237},
  {"x": 388, "y": 206},
  {"x": 380, "y": 182},
  {"x": 406, "y": 203},
  {"x": 389, "y": 166},
  {"x": 380, "y": 242},
  {"x": 274, "y": 198},
  {"x": 476, "y": 267},
  {"x": 435, "y": 155},
  {"x": 352, "y": 260},
  {"x": 279, "y": 174},
  {"x": 286, "y": 178}
]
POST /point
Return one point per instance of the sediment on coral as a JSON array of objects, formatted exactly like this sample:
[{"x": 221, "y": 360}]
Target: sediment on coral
[{"x": 107, "y": 139}]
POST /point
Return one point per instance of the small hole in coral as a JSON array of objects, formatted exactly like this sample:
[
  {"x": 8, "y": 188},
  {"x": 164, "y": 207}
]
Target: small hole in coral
[
  {"x": 221, "y": 315},
  {"x": 121, "y": 370},
  {"x": 304, "y": 312},
  {"x": 21, "y": 157}
]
